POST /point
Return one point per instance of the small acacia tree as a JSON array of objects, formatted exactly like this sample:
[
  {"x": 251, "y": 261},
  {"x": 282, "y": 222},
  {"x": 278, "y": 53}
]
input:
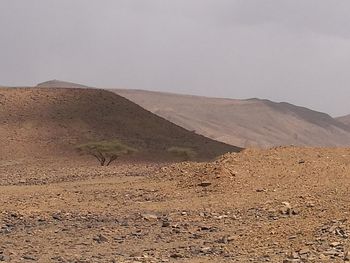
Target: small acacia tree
[{"x": 105, "y": 151}]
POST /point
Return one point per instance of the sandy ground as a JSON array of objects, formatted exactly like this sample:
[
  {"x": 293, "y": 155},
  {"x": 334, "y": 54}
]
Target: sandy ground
[{"x": 279, "y": 205}]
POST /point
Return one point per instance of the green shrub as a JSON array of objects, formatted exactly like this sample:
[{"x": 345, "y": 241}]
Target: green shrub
[
  {"x": 183, "y": 153},
  {"x": 105, "y": 151}
]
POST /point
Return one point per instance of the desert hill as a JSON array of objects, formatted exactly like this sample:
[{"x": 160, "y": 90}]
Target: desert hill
[
  {"x": 51, "y": 121},
  {"x": 344, "y": 119},
  {"x": 245, "y": 123}
]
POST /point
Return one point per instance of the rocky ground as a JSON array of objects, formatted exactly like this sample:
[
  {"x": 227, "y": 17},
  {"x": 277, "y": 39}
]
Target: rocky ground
[{"x": 280, "y": 205}]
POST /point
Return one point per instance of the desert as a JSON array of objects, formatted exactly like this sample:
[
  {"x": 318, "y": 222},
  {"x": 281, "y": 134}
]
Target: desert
[
  {"x": 282, "y": 204},
  {"x": 174, "y": 131}
]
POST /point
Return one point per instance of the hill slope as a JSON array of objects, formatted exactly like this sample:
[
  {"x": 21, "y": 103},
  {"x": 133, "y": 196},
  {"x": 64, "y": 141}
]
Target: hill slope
[
  {"x": 51, "y": 121},
  {"x": 245, "y": 123}
]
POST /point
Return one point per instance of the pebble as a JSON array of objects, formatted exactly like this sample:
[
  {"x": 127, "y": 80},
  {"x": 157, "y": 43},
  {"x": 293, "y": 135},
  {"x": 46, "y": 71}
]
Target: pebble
[
  {"x": 100, "y": 238},
  {"x": 149, "y": 217},
  {"x": 335, "y": 244},
  {"x": 204, "y": 184},
  {"x": 29, "y": 257}
]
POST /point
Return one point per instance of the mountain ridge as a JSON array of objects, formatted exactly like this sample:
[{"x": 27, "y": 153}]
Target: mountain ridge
[{"x": 246, "y": 123}]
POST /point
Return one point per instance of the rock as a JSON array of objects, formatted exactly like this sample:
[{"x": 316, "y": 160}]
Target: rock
[
  {"x": 206, "y": 250},
  {"x": 204, "y": 184},
  {"x": 289, "y": 260},
  {"x": 176, "y": 255},
  {"x": 100, "y": 238},
  {"x": 57, "y": 216},
  {"x": 206, "y": 228},
  {"x": 335, "y": 244},
  {"x": 295, "y": 211},
  {"x": 225, "y": 239},
  {"x": 340, "y": 232},
  {"x": 331, "y": 252},
  {"x": 304, "y": 251},
  {"x": 5, "y": 230},
  {"x": 294, "y": 255},
  {"x": 176, "y": 231},
  {"x": 29, "y": 257},
  {"x": 137, "y": 233},
  {"x": 221, "y": 217},
  {"x": 149, "y": 217},
  {"x": 288, "y": 210},
  {"x": 310, "y": 204},
  {"x": 165, "y": 224}
]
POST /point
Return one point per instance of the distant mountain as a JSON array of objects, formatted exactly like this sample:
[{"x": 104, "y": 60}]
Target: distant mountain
[
  {"x": 252, "y": 122},
  {"x": 52, "y": 121},
  {"x": 60, "y": 84},
  {"x": 344, "y": 119}
]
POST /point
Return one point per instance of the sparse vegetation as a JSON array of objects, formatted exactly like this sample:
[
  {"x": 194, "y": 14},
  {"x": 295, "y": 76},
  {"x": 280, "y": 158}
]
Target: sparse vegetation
[
  {"x": 183, "y": 153},
  {"x": 105, "y": 151}
]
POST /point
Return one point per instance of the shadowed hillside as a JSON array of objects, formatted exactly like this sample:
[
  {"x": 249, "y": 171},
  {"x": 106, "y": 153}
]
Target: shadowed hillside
[
  {"x": 51, "y": 121},
  {"x": 245, "y": 123}
]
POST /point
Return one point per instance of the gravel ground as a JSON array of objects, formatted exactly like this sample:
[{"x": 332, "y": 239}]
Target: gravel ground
[{"x": 285, "y": 204}]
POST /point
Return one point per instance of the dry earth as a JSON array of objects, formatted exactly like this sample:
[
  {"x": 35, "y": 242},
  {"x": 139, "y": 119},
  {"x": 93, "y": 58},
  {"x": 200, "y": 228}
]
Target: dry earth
[{"x": 279, "y": 205}]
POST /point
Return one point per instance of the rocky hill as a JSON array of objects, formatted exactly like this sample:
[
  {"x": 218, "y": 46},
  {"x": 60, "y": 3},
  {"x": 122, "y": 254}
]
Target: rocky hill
[{"x": 52, "y": 121}]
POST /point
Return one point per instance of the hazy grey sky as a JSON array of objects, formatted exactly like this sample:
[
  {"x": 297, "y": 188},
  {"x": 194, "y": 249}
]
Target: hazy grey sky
[{"x": 285, "y": 50}]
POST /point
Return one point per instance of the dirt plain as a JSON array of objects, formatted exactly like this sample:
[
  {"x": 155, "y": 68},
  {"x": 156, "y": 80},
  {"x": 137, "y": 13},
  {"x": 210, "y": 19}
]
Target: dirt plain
[{"x": 285, "y": 204}]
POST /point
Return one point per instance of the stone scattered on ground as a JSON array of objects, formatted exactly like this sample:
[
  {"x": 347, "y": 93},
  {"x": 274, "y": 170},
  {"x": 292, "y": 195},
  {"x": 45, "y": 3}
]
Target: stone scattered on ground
[{"x": 285, "y": 204}]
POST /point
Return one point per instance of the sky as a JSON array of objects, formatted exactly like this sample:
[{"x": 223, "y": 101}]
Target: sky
[{"x": 283, "y": 50}]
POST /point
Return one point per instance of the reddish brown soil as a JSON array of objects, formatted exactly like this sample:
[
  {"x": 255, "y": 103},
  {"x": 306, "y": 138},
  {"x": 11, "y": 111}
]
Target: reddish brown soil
[{"x": 280, "y": 205}]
